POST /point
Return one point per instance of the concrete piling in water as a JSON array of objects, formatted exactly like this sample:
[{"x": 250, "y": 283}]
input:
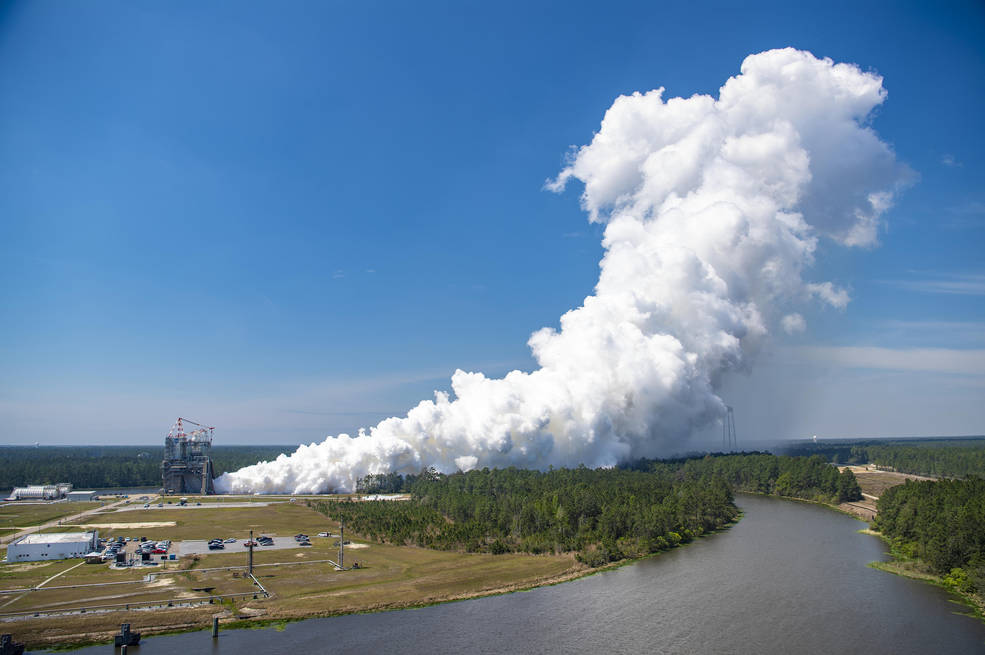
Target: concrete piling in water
[
  {"x": 123, "y": 649},
  {"x": 215, "y": 627}
]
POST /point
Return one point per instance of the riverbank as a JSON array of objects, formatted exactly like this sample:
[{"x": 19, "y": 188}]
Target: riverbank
[
  {"x": 915, "y": 569},
  {"x": 389, "y": 578}
]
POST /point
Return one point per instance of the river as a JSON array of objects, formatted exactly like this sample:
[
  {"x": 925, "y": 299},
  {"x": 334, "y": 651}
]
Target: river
[{"x": 788, "y": 578}]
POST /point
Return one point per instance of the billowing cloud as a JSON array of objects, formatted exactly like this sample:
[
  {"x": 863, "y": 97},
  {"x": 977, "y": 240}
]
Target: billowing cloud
[
  {"x": 793, "y": 323},
  {"x": 713, "y": 208}
]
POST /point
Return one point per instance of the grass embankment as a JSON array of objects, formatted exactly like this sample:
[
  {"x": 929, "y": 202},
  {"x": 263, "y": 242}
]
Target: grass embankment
[
  {"x": 390, "y": 577},
  {"x": 906, "y": 566}
]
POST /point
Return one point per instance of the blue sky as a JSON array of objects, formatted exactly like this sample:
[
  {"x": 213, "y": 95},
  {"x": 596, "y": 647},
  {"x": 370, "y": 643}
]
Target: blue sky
[{"x": 294, "y": 219}]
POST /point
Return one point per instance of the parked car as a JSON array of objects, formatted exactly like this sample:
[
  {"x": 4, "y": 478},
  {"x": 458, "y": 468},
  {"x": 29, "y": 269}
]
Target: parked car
[
  {"x": 230, "y": 541},
  {"x": 247, "y": 544},
  {"x": 216, "y": 546}
]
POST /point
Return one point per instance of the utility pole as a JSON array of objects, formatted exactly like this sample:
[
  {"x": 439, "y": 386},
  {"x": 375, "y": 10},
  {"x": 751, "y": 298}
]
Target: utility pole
[
  {"x": 341, "y": 543},
  {"x": 250, "y": 565}
]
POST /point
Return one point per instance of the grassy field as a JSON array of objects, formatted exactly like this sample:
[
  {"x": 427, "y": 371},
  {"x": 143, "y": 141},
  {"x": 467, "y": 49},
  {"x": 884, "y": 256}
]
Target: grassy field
[
  {"x": 23, "y": 516},
  {"x": 208, "y": 522},
  {"x": 301, "y": 586}
]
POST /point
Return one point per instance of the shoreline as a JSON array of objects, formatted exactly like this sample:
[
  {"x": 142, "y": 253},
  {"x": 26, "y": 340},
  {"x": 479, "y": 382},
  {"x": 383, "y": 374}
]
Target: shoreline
[
  {"x": 896, "y": 565},
  {"x": 233, "y": 620}
]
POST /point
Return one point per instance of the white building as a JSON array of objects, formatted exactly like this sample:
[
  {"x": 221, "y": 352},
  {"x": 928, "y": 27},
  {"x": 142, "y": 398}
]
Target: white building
[
  {"x": 54, "y": 545},
  {"x": 81, "y": 495},
  {"x": 35, "y": 492},
  {"x": 41, "y": 491}
]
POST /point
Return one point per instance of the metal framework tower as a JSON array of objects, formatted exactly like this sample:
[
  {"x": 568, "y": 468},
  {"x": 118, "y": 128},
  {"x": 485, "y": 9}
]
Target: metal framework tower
[
  {"x": 187, "y": 465},
  {"x": 729, "y": 441}
]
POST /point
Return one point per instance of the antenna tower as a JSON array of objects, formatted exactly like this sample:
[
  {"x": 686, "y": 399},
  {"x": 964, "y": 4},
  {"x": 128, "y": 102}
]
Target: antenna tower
[{"x": 729, "y": 441}]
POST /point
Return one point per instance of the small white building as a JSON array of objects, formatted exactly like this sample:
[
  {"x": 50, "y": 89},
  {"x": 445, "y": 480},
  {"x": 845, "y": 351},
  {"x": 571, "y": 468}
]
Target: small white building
[
  {"x": 54, "y": 545},
  {"x": 81, "y": 495}
]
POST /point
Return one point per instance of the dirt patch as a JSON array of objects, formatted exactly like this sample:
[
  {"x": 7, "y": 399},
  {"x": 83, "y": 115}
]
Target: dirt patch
[
  {"x": 865, "y": 510},
  {"x": 27, "y": 566}
]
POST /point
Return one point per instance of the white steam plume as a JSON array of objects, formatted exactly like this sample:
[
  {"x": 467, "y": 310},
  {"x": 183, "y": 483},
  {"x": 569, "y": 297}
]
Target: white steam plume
[{"x": 713, "y": 210}]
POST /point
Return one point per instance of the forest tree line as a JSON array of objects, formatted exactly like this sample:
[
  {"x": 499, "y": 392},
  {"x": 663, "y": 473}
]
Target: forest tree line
[
  {"x": 104, "y": 467},
  {"x": 957, "y": 459},
  {"x": 942, "y": 523},
  {"x": 810, "y": 478},
  {"x": 603, "y": 515},
  {"x": 933, "y": 457}
]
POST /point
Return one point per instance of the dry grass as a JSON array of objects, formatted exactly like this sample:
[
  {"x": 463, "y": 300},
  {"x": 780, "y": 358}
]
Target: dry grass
[
  {"x": 23, "y": 516},
  {"x": 389, "y": 577}
]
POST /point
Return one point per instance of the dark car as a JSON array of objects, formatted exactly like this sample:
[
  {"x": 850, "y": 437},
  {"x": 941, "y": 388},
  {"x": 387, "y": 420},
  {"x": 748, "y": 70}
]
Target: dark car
[{"x": 218, "y": 546}]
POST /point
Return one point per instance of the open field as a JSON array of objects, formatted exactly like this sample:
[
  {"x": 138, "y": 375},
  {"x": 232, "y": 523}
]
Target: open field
[
  {"x": 24, "y": 515},
  {"x": 301, "y": 583},
  {"x": 873, "y": 483}
]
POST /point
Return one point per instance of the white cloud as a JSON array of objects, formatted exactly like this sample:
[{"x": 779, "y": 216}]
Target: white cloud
[
  {"x": 939, "y": 360},
  {"x": 830, "y": 294},
  {"x": 712, "y": 209},
  {"x": 949, "y": 161},
  {"x": 950, "y": 284},
  {"x": 793, "y": 323}
]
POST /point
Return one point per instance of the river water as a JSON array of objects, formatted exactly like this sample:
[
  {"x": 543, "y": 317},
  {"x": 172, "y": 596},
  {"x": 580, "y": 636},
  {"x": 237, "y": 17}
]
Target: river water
[{"x": 789, "y": 578}]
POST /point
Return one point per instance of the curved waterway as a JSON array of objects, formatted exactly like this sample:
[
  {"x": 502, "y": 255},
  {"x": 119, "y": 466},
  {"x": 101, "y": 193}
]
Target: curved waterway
[{"x": 788, "y": 578}]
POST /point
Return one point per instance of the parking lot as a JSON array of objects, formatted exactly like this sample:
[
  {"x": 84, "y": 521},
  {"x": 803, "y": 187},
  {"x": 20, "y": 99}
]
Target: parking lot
[
  {"x": 228, "y": 505},
  {"x": 201, "y": 546}
]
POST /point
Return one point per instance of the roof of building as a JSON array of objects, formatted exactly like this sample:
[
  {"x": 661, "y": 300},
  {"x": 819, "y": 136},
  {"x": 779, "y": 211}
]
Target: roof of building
[{"x": 56, "y": 538}]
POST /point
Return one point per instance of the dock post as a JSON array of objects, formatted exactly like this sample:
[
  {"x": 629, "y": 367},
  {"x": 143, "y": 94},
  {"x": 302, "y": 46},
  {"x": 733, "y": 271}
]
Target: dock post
[
  {"x": 123, "y": 649},
  {"x": 215, "y": 627}
]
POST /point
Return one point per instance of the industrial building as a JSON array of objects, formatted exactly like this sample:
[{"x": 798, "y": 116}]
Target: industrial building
[
  {"x": 81, "y": 496},
  {"x": 55, "y": 545},
  {"x": 41, "y": 492},
  {"x": 187, "y": 466}
]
